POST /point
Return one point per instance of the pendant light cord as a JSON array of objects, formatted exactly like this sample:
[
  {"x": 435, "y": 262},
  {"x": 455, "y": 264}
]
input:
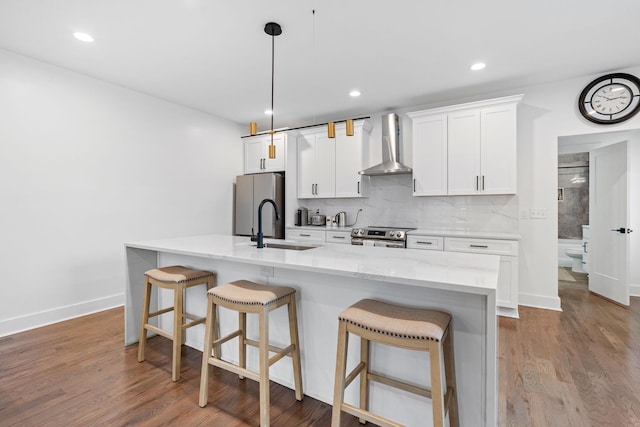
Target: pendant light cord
[{"x": 273, "y": 45}]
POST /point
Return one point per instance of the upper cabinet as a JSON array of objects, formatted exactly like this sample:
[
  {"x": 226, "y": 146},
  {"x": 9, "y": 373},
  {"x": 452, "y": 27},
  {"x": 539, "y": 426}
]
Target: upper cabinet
[
  {"x": 256, "y": 153},
  {"x": 328, "y": 167},
  {"x": 316, "y": 165},
  {"x": 466, "y": 149}
]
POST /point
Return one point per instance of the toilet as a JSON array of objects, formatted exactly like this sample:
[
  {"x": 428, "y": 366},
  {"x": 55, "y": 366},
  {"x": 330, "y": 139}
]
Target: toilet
[{"x": 575, "y": 253}]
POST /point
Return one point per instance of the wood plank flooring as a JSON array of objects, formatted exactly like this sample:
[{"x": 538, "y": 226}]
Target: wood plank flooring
[{"x": 580, "y": 367}]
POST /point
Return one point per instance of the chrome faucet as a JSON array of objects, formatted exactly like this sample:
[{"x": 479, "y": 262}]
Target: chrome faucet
[{"x": 260, "y": 238}]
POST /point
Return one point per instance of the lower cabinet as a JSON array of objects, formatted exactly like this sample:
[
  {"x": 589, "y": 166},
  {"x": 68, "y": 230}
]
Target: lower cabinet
[
  {"x": 507, "y": 292},
  {"x": 342, "y": 237},
  {"x": 320, "y": 235},
  {"x": 306, "y": 235}
]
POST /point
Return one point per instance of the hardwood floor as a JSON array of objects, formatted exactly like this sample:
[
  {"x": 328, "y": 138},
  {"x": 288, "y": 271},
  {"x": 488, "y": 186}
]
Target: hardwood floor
[{"x": 580, "y": 367}]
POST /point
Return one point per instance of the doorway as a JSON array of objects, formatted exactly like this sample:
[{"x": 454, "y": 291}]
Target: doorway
[{"x": 589, "y": 143}]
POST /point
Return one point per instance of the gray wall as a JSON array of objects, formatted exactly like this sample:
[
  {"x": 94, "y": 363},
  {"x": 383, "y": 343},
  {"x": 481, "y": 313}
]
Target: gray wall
[{"x": 573, "y": 179}]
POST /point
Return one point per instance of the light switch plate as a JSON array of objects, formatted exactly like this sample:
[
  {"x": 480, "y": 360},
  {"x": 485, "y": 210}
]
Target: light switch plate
[{"x": 539, "y": 213}]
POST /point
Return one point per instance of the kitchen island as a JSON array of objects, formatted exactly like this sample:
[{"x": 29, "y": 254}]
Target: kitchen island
[{"x": 328, "y": 279}]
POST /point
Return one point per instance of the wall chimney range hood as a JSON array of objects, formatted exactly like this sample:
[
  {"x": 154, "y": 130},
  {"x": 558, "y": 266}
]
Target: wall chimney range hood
[{"x": 391, "y": 164}]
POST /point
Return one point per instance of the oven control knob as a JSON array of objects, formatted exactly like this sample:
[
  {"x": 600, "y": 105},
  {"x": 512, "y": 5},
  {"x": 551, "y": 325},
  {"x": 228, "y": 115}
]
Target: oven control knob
[{"x": 399, "y": 234}]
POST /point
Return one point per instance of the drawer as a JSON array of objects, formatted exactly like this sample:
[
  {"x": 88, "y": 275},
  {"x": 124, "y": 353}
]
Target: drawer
[
  {"x": 481, "y": 246},
  {"x": 431, "y": 243},
  {"x": 306, "y": 235},
  {"x": 343, "y": 237}
]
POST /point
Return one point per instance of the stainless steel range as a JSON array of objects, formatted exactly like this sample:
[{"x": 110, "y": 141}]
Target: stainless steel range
[{"x": 388, "y": 237}]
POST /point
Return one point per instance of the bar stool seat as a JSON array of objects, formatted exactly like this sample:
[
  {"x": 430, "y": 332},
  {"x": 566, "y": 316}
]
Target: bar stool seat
[
  {"x": 410, "y": 328},
  {"x": 176, "y": 278},
  {"x": 245, "y": 297}
]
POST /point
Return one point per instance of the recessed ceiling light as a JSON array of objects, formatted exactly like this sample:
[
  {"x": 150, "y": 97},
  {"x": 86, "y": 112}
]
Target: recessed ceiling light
[
  {"x": 354, "y": 93},
  {"x": 268, "y": 112},
  {"x": 478, "y": 66},
  {"x": 83, "y": 37}
]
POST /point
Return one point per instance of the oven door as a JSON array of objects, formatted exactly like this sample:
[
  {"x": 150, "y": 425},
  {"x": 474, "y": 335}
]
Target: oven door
[{"x": 377, "y": 242}]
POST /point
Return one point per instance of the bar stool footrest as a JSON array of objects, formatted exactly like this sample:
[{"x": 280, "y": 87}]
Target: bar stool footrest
[
  {"x": 402, "y": 385},
  {"x": 242, "y": 372},
  {"x": 368, "y": 416}
]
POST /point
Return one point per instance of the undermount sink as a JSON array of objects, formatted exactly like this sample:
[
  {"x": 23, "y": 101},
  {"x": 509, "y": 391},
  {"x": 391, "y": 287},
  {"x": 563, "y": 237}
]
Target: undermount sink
[{"x": 289, "y": 246}]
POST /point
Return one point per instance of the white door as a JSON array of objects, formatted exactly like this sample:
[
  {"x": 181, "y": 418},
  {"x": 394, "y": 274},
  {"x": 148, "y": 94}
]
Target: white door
[
  {"x": 430, "y": 155},
  {"x": 325, "y": 166},
  {"x": 306, "y": 166},
  {"x": 463, "y": 152},
  {"x": 349, "y": 159},
  {"x": 609, "y": 218}
]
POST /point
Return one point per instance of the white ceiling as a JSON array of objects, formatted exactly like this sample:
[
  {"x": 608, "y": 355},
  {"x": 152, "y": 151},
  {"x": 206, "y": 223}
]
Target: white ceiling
[{"x": 215, "y": 57}]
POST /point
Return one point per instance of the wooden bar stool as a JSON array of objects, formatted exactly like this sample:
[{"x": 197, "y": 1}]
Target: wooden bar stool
[
  {"x": 248, "y": 297},
  {"x": 410, "y": 328},
  {"x": 176, "y": 278}
]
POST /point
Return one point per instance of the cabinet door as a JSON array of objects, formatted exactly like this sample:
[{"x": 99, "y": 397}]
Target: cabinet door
[
  {"x": 306, "y": 166},
  {"x": 430, "y": 155},
  {"x": 507, "y": 292},
  {"x": 464, "y": 152},
  {"x": 342, "y": 237},
  {"x": 253, "y": 155},
  {"x": 277, "y": 164},
  {"x": 498, "y": 149},
  {"x": 305, "y": 235},
  {"x": 325, "y": 166},
  {"x": 349, "y": 161}
]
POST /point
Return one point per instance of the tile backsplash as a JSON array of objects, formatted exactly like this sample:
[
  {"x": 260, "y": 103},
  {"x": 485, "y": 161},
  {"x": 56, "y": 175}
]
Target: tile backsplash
[{"x": 391, "y": 203}]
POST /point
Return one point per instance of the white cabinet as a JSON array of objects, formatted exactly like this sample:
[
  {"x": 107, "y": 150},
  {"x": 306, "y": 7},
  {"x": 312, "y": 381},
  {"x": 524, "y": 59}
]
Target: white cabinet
[
  {"x": 432, "y": 243},
  {"x": 351, "y": 152},
  {"x": 319, "y": 235},
  {"x": 328, "y": 167},
  {"x": 316, "y": 165},
  {"x": 256, "y": 153},
  {"x": 429, "y": 154},
  {"x": 466, "y": 149},
  {"x": 339, "y": 236},
  {"x": 306, "y": 235},
  {"x": 482, "y": 151},
  {"x": 507, "y": 292}
]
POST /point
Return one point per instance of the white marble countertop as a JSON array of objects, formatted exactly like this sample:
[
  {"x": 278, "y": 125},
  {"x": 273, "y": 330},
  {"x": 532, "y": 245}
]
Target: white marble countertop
[
  {"x": 461, "y": 272},
  {"x": 464, "y": 233}
]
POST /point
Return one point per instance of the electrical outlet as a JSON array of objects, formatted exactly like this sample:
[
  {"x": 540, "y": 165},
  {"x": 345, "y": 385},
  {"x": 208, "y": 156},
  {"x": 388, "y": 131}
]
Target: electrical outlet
[
  {"x": 540, "y": 213},
  {"x": 524, "y": 214},
  {"x": 265, "y": 270}
]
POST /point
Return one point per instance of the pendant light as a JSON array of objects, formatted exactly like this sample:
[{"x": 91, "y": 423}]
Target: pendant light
[
  {"x": 273, "y": 29},
  {"x": 349, "y": 127},
  {"x": 331, "y": 130}
]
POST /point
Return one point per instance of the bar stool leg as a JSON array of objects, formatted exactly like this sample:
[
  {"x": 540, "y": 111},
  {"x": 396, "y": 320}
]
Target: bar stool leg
[
  {"x": 341, "y": 366},
  {"x": 364, "y": 377},
  {"x": 210, "y": 327},
  {"x": 437, "y": 399},
  {"x": 146, "y": 301},
  {"x": 178, "y": 300},
  {"x": 264, "y": 368},
  {"x": 450, "y": 373},
  {"x": 293, "y": 332},
  {"x": 242, "y": 341}
]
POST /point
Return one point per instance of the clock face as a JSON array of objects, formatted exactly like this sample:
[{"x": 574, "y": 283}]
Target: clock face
[{"x": 610, "y": 99}]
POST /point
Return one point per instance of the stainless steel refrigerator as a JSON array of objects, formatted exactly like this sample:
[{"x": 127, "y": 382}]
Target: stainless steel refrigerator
[{"x": 250, "y": 191}]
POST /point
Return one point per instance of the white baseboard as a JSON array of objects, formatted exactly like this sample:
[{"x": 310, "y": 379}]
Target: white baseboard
[
  {"x": 47, "y": 317},
  {"x": 538, "y": 301},
  {"x": 634, "y": 290}
]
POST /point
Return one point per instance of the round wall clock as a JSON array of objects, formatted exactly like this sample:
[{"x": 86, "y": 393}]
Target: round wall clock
[{"x": 610, "y": 99}]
